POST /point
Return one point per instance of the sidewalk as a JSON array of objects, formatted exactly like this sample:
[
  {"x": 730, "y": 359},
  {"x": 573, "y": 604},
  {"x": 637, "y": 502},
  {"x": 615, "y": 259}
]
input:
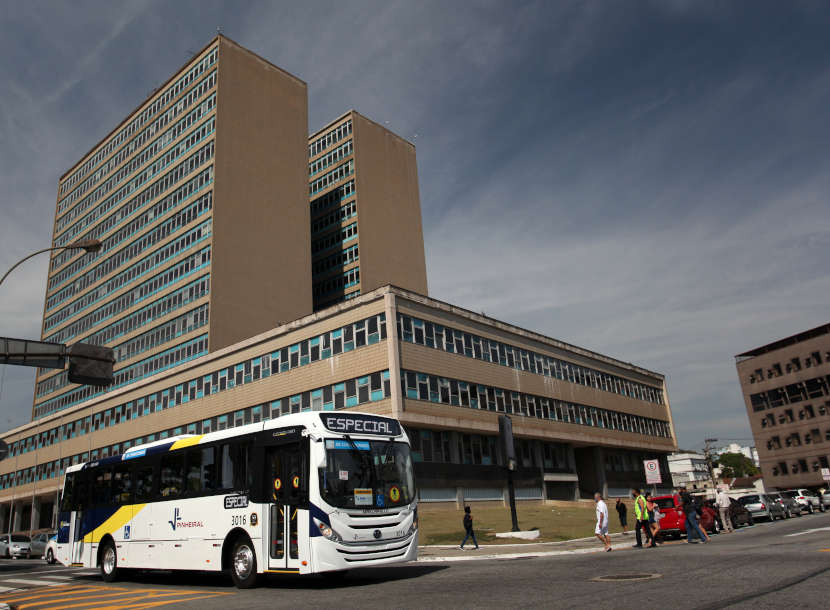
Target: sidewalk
[{"x": 528, "y": 549}]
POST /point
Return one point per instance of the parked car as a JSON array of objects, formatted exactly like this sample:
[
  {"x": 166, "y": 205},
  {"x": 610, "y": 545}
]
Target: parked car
[
  {"x": 673, "y": 522},
  {"x": 760, "y": 506},
  {"x": 39, "y": 541},
  {"x": 805, "y": 497},
  {"x": 791, "y": 506},
  {"x": 14, "y": 546},
  {"x": 825, "y": 499},
  {"x": 51, "y": 553},
  {"x": 739, "y": 514}
]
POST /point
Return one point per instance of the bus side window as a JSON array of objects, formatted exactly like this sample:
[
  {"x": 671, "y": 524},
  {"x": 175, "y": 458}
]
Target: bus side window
[
  {"x": 200, "y": 470},
  {"x": 143, "y": 476},
  {"x": 80, "y": 495},
  {"x": 68, "y": 489},
  {"x": 171, "y": 481},
  {"x": 122, "y": 485},
  {"x": 101, "y": 487},
  {"x": 234, "y": 467}
]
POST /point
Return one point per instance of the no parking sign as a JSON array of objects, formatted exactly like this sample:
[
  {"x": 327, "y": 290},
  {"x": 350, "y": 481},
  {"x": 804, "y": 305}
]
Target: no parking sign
[{"x": 652, "y": 472}]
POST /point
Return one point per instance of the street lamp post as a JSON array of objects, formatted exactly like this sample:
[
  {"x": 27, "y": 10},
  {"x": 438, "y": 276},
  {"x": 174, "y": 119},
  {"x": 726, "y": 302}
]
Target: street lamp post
[{"x": 89, "y": 245}]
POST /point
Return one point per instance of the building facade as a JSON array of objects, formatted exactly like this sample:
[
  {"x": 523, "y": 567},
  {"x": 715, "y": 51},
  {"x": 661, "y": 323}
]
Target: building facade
[
  {"x": 365, "y": 211},
  {"x": 193, "y": 210},
  {"x": 786, "y": 388},
  {"x": 689, "y": 470},
  {"x": 582, "y": 421}
]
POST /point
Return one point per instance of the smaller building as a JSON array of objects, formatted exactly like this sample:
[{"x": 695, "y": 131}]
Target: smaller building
[
  {"x": 745, "y": 450},
  {"x": 786, "y": 388},
  {"x": 688, "y": 469}
]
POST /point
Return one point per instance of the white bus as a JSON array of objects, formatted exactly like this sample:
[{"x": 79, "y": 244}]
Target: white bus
[{"x": 300, "y": 494}]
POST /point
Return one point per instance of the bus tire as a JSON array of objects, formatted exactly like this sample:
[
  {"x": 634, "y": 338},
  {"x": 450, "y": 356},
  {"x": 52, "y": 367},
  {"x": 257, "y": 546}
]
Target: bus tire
[
  {"x": 50, "y": 557},
  {"x": 243, "y": 563},
  {"x": 108, "y": 561}
]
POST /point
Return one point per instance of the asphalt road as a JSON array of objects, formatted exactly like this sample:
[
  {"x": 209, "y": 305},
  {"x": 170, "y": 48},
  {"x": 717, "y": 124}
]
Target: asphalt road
[{"x": 782, "y": 564}]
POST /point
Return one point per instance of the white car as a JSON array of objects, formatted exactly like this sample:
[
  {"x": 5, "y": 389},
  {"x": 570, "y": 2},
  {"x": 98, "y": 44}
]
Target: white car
[
  {"x": 806, "y": 498},
  {"x": 51, "y": 552}
]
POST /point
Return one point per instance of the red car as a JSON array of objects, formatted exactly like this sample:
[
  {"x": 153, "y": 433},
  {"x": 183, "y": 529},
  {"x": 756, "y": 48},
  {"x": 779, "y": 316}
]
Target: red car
[{"x": 674, "y": 519}]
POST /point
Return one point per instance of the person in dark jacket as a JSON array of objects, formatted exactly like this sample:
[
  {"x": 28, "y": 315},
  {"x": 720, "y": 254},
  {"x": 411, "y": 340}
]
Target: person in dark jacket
[
  {"x": 468, "y": 528},
  {"x": 622, "y": 513},
  {"x": 690, "y": 510}
]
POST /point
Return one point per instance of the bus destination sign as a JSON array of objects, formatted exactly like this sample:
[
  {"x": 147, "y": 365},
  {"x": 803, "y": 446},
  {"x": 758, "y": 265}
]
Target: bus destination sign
[{"x": 356, "y": 423}]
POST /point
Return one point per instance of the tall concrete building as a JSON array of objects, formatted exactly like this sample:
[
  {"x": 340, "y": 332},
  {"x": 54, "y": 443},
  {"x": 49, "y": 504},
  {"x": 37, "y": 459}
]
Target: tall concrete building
[
  {"x": 786, "y": 388},
  {"x": 365, "y": 211},
  {"x": 196, "y": 197}
]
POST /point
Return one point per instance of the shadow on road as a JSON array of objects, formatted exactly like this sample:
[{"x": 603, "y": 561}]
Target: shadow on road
[{"x": 354, "y": 578}]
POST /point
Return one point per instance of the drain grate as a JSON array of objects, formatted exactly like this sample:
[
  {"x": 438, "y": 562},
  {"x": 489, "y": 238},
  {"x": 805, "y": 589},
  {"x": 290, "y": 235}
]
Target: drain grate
[{"x": 626, "y": 577}]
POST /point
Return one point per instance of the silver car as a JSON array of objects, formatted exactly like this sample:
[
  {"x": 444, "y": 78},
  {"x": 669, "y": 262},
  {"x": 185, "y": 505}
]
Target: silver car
[
  {"x": 825, "y": 499},
  {"x": 15, "y": 546},
  {"x": 791, "y": 506},
  {"x": 761, "y": 506},
  {"x": 806, "y": 498},
  {"x": 39, "y": 542}
]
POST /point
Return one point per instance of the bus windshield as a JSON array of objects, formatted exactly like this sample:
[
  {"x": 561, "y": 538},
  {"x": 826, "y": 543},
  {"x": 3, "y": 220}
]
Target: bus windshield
[{"x": 367, "y": 474}]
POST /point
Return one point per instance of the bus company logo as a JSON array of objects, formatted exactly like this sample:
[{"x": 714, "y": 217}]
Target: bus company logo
[
  {"x": 177, "y": 523},
  {"x": 236, "y": 501}
]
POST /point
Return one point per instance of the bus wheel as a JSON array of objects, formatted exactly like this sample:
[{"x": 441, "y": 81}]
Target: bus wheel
[
  {"x": 243, "y": 564},
  {"x": 109, "y": 562},
  {"x": 50, "y": 557}
]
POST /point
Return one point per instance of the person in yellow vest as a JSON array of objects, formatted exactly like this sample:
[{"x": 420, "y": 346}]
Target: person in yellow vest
[{"x": 641, "y": 514}]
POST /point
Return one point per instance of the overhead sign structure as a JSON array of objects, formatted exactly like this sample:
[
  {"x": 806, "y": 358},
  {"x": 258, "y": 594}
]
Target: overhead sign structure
[
  {"x": 88, "y": 364},
  {"x": 652, "y": 468}
]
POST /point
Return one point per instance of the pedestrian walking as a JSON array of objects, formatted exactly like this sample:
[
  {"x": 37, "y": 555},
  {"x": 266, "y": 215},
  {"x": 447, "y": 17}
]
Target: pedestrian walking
[
  {"x": 690, "y": 510},
  {"x": 601, "y": 529},
  {"x": 641, "y": 513},
  {"x": 468, "y": 528},
  {"x": 622, "y": 513},
  {"x": 654, "y": 516},
  {"x": 724, "y": 502}
]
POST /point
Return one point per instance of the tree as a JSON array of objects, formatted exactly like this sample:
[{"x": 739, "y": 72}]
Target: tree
[{"x": 736, "y": 465}]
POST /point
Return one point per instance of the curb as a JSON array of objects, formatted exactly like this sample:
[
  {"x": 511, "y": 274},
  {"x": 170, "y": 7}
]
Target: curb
[
  {"x": 509, "y": 555},
  {"x": 495, "y": 546}
]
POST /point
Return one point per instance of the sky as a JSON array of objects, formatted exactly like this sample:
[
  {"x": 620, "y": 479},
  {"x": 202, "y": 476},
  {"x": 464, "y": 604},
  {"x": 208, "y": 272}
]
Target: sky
[{"x": 649, "y": 180}]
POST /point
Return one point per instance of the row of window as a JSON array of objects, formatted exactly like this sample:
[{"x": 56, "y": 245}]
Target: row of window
[
  {"x": 150, "y": 262},
  {"x": 161, "y": 334},
  {"x": 801, "y": 466},
  {"x": 816, "y": 387},
  {"x": 794, "y": 439},
  {"x": 157, "y": 309},
  {"x": 429, "y": 334},
  {"x": 790, "y": 416},
  {"x": 169, "y": 94},
  {"x": 333, "y": 197},
  {"x": 149, "y": 366},
  {"x": 172, "y": 200},
  {"x": 340, "y": 236},
  {"x": 422, "y": 386},
  {"x": 150, "y": 151},
  {"x": 320, "y": 347},
  {"x": 337, "y": 284},
  {"x": 335, "y": 156},
  {"x": 349, "y": 393},
  {"x": 135, "y": 247},
  {"x": 338, "y": 259},
  {"x": 795, "y": 364},
  {"x": 169, "y": 179},
  {"x": 329, "y": 139},
  {"x": 335, "y": 217},
  {"x": 336, "y": 175}
]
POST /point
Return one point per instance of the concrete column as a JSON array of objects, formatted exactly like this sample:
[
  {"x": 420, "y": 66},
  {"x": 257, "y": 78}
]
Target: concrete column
[
  {"x": 393, "y": 354},
  {"x": 17, "y": 510},
  {"x": 599, "y": 464},
  {"x": 4, "y": 518},
  {"x": 455, "y": 452},
  {"x": 34, "y": 520}
]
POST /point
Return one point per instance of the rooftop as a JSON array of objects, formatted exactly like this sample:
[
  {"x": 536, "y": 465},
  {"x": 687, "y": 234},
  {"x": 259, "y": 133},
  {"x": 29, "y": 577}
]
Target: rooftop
[{"x": 824, "y": 329}]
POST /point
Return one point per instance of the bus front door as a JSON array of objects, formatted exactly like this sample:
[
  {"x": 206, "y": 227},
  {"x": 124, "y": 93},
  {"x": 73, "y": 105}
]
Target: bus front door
[
  {"x": 76, "y": 538},
  {"x": 287, "y": 479}
]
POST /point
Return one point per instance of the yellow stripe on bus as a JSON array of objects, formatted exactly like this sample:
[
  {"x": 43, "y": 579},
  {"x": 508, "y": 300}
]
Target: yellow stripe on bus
[
  {"x": 118, "y": 519},
  {"x": 186, "y": 442}
]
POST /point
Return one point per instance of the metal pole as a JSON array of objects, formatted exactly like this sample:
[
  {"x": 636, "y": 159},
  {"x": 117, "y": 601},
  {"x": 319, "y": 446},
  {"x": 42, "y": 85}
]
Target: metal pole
[
  {"x": 511, "y": 494},
  {"x": 90, "y": 245}
]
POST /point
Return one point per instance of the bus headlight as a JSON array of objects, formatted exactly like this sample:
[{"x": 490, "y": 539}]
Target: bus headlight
[
  {"x": 414, "y": 527},
  {"x": 326, "y": 531}
]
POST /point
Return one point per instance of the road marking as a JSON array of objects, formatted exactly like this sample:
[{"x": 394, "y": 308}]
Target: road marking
[
  {"x": 104, "y": 597},
  {"x": 26, "y": 581},
  {"x": 810, "y": 531}
]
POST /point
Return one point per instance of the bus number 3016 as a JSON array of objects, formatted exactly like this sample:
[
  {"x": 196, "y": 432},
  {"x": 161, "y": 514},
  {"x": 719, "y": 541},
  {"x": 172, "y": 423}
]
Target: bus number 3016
[{"x": 239, "y": 520}]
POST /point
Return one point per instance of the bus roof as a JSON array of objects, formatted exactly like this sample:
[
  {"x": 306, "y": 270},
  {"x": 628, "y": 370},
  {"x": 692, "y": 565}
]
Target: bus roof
[{"x": 309, "y": 420}]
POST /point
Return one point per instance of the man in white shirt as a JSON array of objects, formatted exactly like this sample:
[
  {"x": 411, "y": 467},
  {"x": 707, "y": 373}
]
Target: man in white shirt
[
  {"x": 601, "y": 530},
  {"x": 723, "y": 509}
]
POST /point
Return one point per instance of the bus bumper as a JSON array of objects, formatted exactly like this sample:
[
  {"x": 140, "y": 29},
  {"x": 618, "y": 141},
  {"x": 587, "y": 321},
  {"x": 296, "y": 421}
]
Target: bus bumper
[{"x": 331, "y": 556}]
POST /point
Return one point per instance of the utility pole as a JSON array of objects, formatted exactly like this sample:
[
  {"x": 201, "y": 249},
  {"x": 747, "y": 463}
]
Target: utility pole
[{"x": 707, "y": 452}]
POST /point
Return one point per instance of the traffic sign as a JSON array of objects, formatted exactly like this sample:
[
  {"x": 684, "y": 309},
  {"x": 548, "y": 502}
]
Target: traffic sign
[
  {"x": 825, "y": 474},
  {"x": 652, "y": 468}
]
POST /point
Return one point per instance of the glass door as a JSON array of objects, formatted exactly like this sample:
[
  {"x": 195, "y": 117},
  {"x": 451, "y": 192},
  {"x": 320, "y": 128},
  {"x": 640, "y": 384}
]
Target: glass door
[{"x": 284, "y": 467}]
